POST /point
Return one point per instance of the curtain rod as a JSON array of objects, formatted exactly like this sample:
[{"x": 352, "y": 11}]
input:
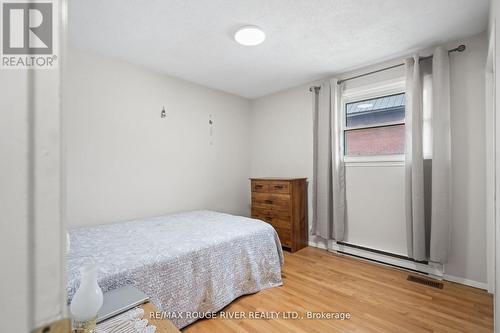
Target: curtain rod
[{"x": 460, "y": 48}]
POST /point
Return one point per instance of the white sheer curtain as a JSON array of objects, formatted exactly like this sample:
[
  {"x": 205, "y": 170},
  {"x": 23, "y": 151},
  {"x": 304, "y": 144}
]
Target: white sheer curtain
[
  {"x": 441, "y": 161},
  {"x": 329, "y": 173},
  {"x": 414, "y": 163}
]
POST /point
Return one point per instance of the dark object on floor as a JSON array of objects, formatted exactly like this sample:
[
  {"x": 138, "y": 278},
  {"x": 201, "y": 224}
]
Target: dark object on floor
[{"x": 424, "y": 281}]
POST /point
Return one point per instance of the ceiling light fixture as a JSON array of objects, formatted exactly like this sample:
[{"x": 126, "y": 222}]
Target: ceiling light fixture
[{"x": 249, "y": 35}]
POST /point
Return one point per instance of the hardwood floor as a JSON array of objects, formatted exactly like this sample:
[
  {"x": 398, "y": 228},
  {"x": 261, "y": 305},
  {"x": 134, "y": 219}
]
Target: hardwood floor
[{"x": 379, "y": 299}]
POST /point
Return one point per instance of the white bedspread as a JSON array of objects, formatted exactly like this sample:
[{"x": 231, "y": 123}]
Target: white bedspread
[{"x": 196, "y": 261}]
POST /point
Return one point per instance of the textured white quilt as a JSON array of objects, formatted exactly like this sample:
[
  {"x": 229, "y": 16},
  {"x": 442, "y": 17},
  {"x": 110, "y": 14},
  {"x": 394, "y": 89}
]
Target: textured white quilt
[{"x": 188, "y": 262}]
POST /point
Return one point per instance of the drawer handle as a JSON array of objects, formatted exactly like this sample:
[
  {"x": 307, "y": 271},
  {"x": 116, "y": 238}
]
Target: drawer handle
[
  {"x": 258, "y": 186},
  {"x": 268, "y": 201},
  {"x": 279, "y": 187}
]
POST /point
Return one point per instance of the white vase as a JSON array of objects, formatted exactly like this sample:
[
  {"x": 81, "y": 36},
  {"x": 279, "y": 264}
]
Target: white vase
[{"x": 87, "y": 300}]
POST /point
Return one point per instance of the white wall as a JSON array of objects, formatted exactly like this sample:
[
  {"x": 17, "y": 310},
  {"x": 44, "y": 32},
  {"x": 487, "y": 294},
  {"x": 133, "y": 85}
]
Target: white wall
[
  {"x": 282, "y": 146},
  {"x": 375, "y": 207},
  {"x": 281, "y": 136},
  {"x": 494, "y": 32},
  {"x": 468, "y": 235},
  {"x": 490, "y": 159},
  {"x": 14, "y": 200},
  {"x": 31, "y": 230},
  {"x": 123, "y": 161}
]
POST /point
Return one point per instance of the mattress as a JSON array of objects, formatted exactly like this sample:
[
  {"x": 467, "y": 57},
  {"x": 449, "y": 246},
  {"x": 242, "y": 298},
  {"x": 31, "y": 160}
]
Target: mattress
[{"x": 187, "y": 263}]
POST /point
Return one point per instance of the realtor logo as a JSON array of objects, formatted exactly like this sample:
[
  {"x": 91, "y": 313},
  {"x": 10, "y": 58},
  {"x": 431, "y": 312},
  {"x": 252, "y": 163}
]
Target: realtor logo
[{"x": 28, "y": 34}]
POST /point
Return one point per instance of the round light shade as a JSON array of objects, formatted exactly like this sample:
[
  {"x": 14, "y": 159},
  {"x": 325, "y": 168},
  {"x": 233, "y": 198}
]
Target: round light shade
[{"x": 249, "y": 35}]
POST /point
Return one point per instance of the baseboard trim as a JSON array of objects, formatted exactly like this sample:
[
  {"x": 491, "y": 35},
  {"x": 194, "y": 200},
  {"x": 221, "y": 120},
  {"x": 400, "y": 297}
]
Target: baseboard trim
[
  {"x": 467, "y": 282},
  {"x": 436, "y": 272},
  {"x": 319, "y": 245}
]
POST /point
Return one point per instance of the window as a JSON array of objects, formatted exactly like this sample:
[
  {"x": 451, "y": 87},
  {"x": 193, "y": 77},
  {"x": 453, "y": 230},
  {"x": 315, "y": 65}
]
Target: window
[{"x": 375, "y": 126}]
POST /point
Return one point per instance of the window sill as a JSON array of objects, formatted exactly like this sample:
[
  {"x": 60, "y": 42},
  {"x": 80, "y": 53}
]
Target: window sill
[{"x": 379, "y": 160}]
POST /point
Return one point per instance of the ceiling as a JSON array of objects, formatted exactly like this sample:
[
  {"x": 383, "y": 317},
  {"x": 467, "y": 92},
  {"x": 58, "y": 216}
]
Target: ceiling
[{"x": 306, "y": 40}]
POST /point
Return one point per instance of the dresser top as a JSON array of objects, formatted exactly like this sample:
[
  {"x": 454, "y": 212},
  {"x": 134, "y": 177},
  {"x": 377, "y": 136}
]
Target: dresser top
[{"x": 276, "y": 178}]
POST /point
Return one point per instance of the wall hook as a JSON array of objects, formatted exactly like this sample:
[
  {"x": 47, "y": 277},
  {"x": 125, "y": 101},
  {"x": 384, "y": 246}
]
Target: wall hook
[{"x": 163, "y": 113}]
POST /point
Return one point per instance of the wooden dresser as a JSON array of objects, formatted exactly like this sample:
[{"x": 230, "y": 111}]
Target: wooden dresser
[{"x": 282, "y": 202}]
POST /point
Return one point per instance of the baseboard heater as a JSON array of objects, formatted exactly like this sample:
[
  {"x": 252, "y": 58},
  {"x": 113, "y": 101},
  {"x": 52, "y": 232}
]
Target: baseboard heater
[
  {"x": 382, "y": 252},
  {"x": 387, "y": 258}
]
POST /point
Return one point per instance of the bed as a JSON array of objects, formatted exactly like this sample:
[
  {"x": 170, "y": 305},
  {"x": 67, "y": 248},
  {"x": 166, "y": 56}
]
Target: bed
[{"x": 196, "y": 261}]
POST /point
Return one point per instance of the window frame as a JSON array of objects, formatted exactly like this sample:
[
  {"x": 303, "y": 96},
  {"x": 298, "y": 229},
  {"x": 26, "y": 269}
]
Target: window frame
[{"x": 366, "y": 92}]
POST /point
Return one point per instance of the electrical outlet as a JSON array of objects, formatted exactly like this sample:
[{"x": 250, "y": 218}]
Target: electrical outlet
[{"x": 59, "y": 326}]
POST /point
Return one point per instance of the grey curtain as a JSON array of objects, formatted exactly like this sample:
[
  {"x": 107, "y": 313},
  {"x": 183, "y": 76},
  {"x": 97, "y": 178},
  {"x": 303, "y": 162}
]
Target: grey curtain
[
  {"x": 329, "y": 174},
  {"x": 428, "y": 241},
  {"x": 414, "y": 163},
  {"x": 441, "y": 159}
]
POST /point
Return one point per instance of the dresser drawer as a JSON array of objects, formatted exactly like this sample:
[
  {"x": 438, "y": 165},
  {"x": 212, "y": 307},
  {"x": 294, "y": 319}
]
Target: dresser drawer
[
  {"x": 269, "y": 201},
  {"x": 260, "y": 186},
  {"x": 279, "y": 187},
  {"x": 277, "y": 219}
]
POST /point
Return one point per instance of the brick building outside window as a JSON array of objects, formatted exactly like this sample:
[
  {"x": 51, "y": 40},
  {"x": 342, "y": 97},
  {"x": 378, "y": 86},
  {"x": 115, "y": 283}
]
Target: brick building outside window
[{"x": 375, "y": 126}]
